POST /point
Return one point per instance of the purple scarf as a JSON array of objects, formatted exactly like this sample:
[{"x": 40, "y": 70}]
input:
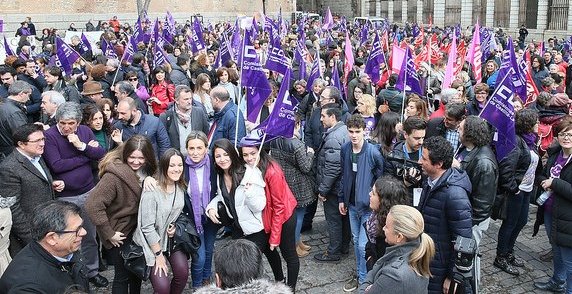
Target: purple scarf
[
  {"x": 199, "y": 200},
  {"x": 530, "y": 139}
]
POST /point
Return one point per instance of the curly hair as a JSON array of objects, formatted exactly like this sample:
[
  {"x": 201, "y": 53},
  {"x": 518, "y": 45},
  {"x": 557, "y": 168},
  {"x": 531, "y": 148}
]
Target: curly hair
[
  {"x": 390, "y": 192},
  {"x": 369, "y": 103},
  {"x": 525, "y": 120},
  {"x": 476, "y": 131},
  {"x": 440, "y": 151}
]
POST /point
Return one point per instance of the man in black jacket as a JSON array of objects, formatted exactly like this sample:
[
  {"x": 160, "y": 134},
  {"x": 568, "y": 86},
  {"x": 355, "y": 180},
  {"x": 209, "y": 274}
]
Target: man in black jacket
[
  {"x": 51, "y": 263},
  {"x": 447, "y": 126},
  {"x": 477, "y": 159}
]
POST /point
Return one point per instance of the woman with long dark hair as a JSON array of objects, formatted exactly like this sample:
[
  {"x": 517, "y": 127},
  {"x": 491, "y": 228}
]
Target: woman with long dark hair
[
  {"x": 201, "y": 95},
  {"x": 539, "y": 71},
  {"x": 385, "y": 133},
  {"x": 158, "y": 211},
  {"x": 113, "y": 204},
  {"x": 162, "y": 91},
  {"x": 93, "y": 117}
]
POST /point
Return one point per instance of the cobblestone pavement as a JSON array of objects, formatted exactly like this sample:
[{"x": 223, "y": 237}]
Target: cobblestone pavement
[{"x": 329, "y": 278}]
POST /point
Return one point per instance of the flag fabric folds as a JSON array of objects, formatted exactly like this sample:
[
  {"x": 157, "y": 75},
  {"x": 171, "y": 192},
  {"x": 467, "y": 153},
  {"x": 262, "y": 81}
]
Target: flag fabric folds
[{"x": 408, "y": 79}]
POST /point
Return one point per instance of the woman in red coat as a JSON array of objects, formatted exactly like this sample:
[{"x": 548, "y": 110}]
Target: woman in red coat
[
  {"x": 278, "y": 216},
  {"x": 162, "y": 91}
]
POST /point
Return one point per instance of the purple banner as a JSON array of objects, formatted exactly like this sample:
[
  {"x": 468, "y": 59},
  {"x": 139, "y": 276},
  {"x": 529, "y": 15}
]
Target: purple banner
[
  {"x": 224, "y": 53},
  {"x": 197, "y": 40},
  {"x": 253, "y": 79},
  {"x": 7, "y": 48},
  {"x": 518, "y": 78},
  {"x": 375, "y": 60},
  {"x": 85, "y": 46},
  {"x": 364, "y": 34},
  {"x": 1, "y": 25},
  {"x": 314, "y": 73},
  {"x": 277, "y": 60},
  {"x": 408, "y": 80},
  {"x": 108, "y": 49},
  {"x": 65, "y": 55},
  {"x": 328, "y": 20},
  {"x": 160, "y": 57},
  {"x": 130, "y": 49},
  {"x": 336, "y": 82}
]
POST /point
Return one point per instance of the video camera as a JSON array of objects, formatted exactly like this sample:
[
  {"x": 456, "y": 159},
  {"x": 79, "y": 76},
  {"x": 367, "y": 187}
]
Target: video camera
[
  {"x": 463, "y": 278},
  {"x": 401, "y": 167}
]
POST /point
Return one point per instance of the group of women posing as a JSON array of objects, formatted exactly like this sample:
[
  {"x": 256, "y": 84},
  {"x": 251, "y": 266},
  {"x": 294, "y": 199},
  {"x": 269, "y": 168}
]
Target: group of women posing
[{"x": 138, "y": 199}]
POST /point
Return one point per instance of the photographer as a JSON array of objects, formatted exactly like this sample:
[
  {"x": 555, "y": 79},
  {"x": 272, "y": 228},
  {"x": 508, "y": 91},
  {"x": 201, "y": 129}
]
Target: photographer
[{"x": 402, "y": 161}]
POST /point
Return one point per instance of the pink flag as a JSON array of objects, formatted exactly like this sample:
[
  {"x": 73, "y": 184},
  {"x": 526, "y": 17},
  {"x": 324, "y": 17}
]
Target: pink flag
[
  {"x": 328, "y": 21},
  {"x": 349, "y": 58},
  {"x": 397, "y": 57},
  {"x": 474, "y": 54},
  {"x": 450, "y": 69}
]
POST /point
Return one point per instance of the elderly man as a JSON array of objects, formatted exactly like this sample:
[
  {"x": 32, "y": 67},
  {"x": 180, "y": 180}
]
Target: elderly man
[
  {"x": 132, "y": 121},
  {"x": 26, "y": 182},
  {"x": 70, "y": 150},
  {"x": 92, "y": 92},
  {"x": 239, "y": 269},
  {"x": 51, "y": 100},
  {"x": 224, "y": 121},
  {"x": 13, "y": 114},
  {"x": 8, "y": 76},
  {"x": 183, "y": 118},
  {"x": 50, "y": 263}
]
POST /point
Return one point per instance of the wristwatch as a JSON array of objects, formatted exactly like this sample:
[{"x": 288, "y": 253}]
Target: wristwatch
[{"x": 158, "y": 253}]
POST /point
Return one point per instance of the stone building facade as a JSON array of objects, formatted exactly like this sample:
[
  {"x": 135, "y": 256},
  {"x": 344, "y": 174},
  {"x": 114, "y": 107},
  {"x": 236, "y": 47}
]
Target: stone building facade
[
  {"x": 60, "y": 13},
  {"x": 541, "y": 17}
]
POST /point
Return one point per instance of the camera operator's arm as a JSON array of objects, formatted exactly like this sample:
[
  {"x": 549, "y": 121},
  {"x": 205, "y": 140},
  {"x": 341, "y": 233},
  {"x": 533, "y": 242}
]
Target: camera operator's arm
[{"x": 459, "y": 219}]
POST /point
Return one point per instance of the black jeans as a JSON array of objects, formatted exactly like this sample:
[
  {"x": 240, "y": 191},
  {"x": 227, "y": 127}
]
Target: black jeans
[
  {"x": 516, "y": 219},
  {"x": 123, "y": 281},
  {"x": 338, "y": 226},
  {"x": 261, "y": 240}
]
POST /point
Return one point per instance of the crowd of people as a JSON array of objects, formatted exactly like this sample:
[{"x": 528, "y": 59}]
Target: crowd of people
[{"x": 114, "y": 155}]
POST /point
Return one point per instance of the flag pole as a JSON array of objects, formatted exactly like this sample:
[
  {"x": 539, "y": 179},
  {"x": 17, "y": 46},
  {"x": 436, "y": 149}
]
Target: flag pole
[{"x": 404, "y": 86}]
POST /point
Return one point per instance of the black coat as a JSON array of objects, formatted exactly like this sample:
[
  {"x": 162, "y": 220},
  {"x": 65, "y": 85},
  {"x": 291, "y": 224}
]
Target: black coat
[
  {"x": 447, "y": 213},
  {"x": 561, "y": 233},
  {"x": 199, "y": 122},
  {"x": 35, "y": 270},
  {"x": 513, "y": 167},
  {"x": 481, "y": 166}
]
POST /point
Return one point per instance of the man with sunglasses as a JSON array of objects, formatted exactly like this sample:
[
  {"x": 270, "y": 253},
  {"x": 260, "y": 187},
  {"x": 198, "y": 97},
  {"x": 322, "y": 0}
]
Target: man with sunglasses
[{"x": 51, "y": 263}]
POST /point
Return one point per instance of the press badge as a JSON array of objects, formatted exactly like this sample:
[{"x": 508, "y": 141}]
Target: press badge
[{"x": 354, "y": 167}]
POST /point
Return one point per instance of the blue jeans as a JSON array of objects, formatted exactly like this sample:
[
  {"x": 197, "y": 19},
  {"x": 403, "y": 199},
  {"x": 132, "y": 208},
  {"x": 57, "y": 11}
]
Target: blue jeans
[
  {"x": 516, "y": 219},
  {"x": 201, "y": 266},
  {"x": 562, "y": 258},
  {"x": 300, "y": 212},
  {"x": 359, "y": 235}
]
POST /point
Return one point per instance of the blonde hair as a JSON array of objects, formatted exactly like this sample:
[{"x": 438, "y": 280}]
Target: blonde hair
[
  {"x": 408, "y": 221},
  {"x": 369, "y": 103}
]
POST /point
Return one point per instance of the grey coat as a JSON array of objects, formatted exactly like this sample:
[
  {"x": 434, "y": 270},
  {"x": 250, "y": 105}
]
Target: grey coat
[
  {"x": 22, "y": 183},
  {"x": 199, "y": 122},
  {"x": 393, "y": 274},
  {"x": 329, "y": 169},
  {"x": 296, "y": 162}
]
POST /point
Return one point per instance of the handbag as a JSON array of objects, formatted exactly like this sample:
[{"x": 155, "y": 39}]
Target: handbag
[
  {"x": 134, "y": 260},
  {"x": 223, "y": 216},
  {"x": 186, "y": 238},
  {"x": 500, "y": 206}
]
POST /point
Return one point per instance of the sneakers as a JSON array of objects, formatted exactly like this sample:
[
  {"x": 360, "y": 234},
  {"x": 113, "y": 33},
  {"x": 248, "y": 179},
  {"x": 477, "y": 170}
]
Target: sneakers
[
  {"x": 515, "y": 261},
  {"x": 351, "y": 285},
  {"x": 502, "y": 262},
  {"x": 326, "y": 257},
  {"x": 550, "y": 286}
]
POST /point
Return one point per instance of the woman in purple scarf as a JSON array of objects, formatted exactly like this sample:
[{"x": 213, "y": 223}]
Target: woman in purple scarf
[{"x": 198, "y": 172}]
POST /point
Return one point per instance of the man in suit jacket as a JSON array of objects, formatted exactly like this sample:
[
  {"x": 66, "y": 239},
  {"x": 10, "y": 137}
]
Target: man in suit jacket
[{"x": 25, "y": 182}]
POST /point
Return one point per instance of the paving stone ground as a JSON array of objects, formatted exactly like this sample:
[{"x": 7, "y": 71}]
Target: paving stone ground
[{"x": 329, "y": 278}]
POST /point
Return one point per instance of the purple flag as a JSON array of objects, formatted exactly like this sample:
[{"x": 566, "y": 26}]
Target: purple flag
[
  {"x": 415, "y": 30},
  {"x": 336, "y": 79},
  {"x": 224, "y": 53},
  {"x": 138, "y": 32},
  {"x": 375, "y": 60},
  {"x": 364, "y": 34},
  {"x": 277, "y": 60},
  {"x": 170, "y": 31},
  {"x": 85, "y": 45},
  {"x": 156, "y": 29},
  {"x": 160, "y": 57},
  {"x": 518, "y": 78},
  {"x": 198, "y": 42},
  {"x": 236, "y": 41},
  {"x": 65, "y": 55},
  {"x": 129, "y": 50},
  {"x": 282, "y": 119},
  {"x": 254, "y": 29},
  {"x": 253, "y": 79},
  {"x": 7, "y": 48},
  {"x": 500, "y": 113},
  {"x": 408, "y": 79},
  {"x": 1, "y": 25},
  {"x": 314, "y": 73},
  {"x": 108, "y": 49},
  {"x": 328, "y": 20}
]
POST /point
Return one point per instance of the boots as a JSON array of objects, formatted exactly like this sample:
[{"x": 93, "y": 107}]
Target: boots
[
  {"x": 301, "y": 252},
  {"x": 304, "y": 246},
  {"x": 504, "y": 264}
]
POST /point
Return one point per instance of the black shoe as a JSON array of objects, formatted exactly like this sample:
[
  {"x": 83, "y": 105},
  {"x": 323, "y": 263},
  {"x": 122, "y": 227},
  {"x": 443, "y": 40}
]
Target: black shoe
[
  {"x": 326, "y": 257},
  {"x": 502, "y": 263},
  {"x": 550, "y": 286},
  {"x": 99, "y": 281},
  {"x": 514, "y": 261}
]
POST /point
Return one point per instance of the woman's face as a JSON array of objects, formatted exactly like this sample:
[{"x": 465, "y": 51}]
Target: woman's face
[
  {"x": 175, "y": 169},
  {"x": 222, "y": 159},
  {"x": 482, "y": 97},
  {"x": 160, "y": 76},
  {"x": 136, "y": 160},
  {"x": 490, "y": 67},
  {"x": 206, "y": 85},
  {"x": 234, "y": 66},
  {"x": 299, "y": 89},
  {"x": 361, "y": 107},
  {"x": 197, "y": 150},
  {"x": 224, "y": 77},
  {"x": 357, "y": 93},
  {"x": 391, "y": 237},
  {"x": 96, "y": 122},
  {"x": 565, "y": 139},
  {"x": 250, "y": 155},
  {"x": 107, "y": 111},
  {"x": 517, "y": 105},
  {"x": 374, "y": 202},
  {"x": 411, "y": 109},
  {"x": 134, "y": 81}
]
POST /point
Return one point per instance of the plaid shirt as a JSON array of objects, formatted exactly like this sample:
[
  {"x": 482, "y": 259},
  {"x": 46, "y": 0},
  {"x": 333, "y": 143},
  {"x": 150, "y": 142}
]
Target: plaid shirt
[{"x": 453, "y": 137}]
